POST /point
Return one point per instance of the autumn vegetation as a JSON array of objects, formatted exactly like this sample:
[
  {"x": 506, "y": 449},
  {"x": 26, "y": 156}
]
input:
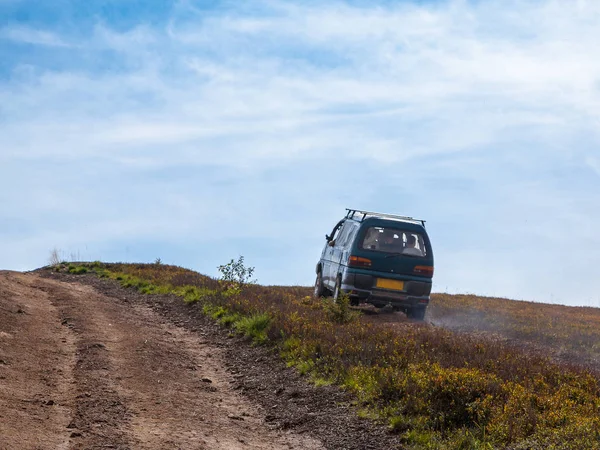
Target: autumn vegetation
[
  {"x": 493, "y": 373},
  {"x": 570, "y": 334}
]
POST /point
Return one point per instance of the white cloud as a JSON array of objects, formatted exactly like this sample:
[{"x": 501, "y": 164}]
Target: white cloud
[
  {"x": 27, "y": 35},
  {"x": 455, "y": 110}
]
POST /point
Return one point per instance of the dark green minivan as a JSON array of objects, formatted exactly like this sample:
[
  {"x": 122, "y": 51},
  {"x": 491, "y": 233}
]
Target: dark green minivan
[{"x": 377, "y": 258}]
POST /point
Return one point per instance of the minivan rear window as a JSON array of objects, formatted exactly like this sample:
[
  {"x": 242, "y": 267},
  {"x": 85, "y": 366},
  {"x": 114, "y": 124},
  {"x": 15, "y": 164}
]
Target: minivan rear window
[{"x": 394, "y": 240}]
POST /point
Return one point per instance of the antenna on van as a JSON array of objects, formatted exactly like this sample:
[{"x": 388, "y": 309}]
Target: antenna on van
[{"x": 352, "y": 212}]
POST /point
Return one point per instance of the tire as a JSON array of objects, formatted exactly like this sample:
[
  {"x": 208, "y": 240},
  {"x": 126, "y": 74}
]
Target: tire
[
  {"x": 337, "y": 290},
  {"x": 319, "y": 289},
  {"x": 416, "y": 312}
]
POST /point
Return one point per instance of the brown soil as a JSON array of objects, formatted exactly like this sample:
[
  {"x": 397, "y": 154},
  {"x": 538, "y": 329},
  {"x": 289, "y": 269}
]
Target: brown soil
[
  {"x": 87, "y": 364},
  {"x": 83, "y": 370}
]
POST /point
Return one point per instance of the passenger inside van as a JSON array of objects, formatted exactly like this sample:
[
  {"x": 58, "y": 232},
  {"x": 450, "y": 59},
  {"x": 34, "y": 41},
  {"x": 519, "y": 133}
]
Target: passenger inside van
[
  {"x": 390, "y": 242},
  {"x": 411, "y": 246}
]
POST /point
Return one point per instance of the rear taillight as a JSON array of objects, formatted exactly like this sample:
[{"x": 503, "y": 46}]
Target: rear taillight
[
  {"x": 358, "y": 261},
  {"x": 426, "y": 271}
]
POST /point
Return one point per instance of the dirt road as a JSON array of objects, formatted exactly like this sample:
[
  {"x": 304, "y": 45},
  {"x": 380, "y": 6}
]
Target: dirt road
[{"x": 79, "y": 369}]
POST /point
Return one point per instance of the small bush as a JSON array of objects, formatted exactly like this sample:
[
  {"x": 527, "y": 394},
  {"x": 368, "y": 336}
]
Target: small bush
[
  {"x": 254, "y": 327},
  {"x": 221, "y": 314},
  {"x": 134, "y": 282},
  {"x": 339, "y": 310},
  {"x": 229, "y": 319},
  {"x": 235, "y": 276},
  {"x": 148, "y": 289},
  {"x": 213, "y": 311},
  {"x": 193, "y": 294},
  {"x": 77, "y": 270}
]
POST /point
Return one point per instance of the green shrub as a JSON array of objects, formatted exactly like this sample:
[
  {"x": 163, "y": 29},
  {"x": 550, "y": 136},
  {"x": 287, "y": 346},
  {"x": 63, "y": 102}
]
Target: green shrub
[
  {"x": 229, "y": 320},
  {"x": 214, "y": 311},
  {"x": 134, "y": 282},
  {"x": 148, "y": 289},
  {"x": 254, "y": 327},
  {"x": 102, "y": 273},
  {"x": 193, "y": 294},
  {"x": 77, "y": 270},
  {"x": 235, "y": 276},
  {"x": 339, "y": 310}
]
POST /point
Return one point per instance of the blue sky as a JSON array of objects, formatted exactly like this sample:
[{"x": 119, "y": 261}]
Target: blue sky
[{"x": 198, "y": 131}]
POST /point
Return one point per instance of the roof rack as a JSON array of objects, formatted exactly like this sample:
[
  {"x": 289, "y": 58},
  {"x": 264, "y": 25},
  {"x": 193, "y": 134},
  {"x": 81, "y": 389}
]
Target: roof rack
[{"x": 351, "y": 212}]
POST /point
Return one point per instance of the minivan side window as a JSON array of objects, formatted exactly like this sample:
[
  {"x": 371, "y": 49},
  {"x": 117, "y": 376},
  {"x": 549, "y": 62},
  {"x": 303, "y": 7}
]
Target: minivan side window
[
  {"x": 351, "y": 233},
  {"x": 343, "y": 236},
  {"x": 335, "y": 232}
]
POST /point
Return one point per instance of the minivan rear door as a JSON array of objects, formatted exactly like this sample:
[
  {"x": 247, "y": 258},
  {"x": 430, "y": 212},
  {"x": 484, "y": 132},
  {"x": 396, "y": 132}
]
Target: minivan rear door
[{"x": 395, "y": 250}]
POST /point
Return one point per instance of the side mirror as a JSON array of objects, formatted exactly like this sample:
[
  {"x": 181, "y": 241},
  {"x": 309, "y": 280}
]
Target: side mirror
[{"x": 327, "y": 237}]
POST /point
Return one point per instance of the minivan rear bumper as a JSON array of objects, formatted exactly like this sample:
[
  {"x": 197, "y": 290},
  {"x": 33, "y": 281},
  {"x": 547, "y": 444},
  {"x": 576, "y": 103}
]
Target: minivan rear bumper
[
  {"x": 381, "y": 299},
  {"x": 361, "y": 287}
]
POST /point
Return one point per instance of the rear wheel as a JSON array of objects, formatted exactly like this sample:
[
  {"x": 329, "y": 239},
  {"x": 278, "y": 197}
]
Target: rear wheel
[
  {"x": 319, "y": 289},
  {"x": 416, "y": 312}
]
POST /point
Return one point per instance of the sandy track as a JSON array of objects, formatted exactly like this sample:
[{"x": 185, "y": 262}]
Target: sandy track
[{"x": 83, "y": 370}]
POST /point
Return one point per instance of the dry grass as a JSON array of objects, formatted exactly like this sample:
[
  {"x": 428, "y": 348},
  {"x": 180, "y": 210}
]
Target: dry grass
[{"x": 571, "y": 334}]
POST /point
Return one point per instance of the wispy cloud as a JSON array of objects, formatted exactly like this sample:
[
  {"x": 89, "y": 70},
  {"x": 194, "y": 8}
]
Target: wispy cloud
[
  {"x": 26, "y": 35},
  {"x": 479, "y": 116}
]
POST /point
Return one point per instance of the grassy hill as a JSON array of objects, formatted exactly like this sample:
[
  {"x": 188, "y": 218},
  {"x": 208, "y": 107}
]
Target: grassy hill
[
  {"x": 566, "y": 333},
  {"x": 489, "y": 373}
]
